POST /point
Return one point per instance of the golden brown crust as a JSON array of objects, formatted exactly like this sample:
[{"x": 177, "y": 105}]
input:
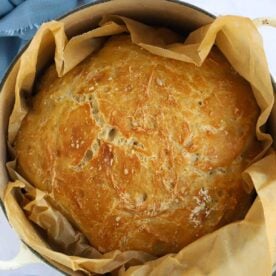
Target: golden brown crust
[{"x": 142, "y": 152}]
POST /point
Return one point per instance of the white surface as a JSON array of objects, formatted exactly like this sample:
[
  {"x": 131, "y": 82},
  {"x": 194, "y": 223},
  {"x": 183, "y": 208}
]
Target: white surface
[{"x": 9, "y": 244}]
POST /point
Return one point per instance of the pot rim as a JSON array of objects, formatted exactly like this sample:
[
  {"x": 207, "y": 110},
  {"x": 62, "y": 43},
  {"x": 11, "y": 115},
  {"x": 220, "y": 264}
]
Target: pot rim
[{"x": 22, "y": 50}]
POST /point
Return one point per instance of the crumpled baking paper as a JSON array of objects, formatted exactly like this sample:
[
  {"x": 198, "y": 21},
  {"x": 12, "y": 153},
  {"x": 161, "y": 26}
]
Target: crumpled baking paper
[{"x": 245, "y": 247}]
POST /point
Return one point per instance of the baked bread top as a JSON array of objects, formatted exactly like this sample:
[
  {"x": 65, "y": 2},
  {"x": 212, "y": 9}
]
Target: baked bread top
[{"x": 139, "y": 151}]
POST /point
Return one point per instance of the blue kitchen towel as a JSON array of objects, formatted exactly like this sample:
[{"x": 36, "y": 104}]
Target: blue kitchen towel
[{"x": 19, "y": 20}]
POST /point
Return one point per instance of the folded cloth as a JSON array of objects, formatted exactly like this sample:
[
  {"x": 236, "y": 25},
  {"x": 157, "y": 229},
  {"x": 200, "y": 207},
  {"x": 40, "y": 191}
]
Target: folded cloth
[{"x": 19, "y": 20}]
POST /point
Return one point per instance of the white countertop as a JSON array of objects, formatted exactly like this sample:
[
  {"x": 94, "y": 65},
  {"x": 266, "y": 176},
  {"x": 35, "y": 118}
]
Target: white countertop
[{"x": 9, "y": 243}]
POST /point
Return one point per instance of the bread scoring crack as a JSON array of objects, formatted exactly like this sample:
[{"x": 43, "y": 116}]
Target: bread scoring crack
[{"x": 108, "y": 133}]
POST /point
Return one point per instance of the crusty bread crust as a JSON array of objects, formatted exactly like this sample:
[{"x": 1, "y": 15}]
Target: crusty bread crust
[{"x": 142, "y": 152}]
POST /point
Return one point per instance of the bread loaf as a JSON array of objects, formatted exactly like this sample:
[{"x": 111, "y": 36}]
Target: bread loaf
[{"x": 141, "y": 152}]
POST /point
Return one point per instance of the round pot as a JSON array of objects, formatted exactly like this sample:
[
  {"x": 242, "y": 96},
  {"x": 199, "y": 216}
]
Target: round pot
[{"x": 174, "y": 14}]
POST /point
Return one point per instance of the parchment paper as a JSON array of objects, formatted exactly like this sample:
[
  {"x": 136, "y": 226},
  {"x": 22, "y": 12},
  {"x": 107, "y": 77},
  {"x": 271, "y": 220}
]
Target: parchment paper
[{"x": 231, "y": 250}]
